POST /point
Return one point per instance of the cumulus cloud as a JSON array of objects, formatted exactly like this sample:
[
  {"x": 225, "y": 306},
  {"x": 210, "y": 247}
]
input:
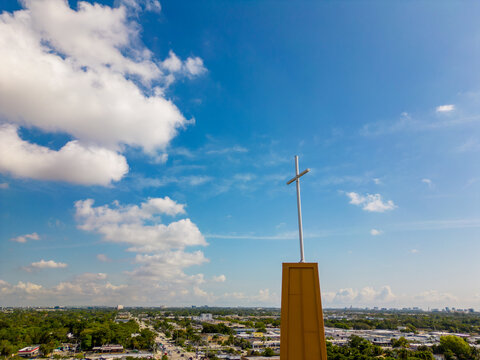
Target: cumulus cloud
[
  {"x": 194, "y": 66},
  {"x": 375, "y": 232},
  {"x": 27, "y": 288},
  {"x": 364, "y": 296},
  {"x": 436, "y": 297},
  {"x": 445, "y": 108},
  {"x": 168, "y": 266},
  {"x": 85, "y": 73},
  {"x": 175, "y": 68},
  {"x": 45, "y": 264},
  {"x": 219, "y": 278},
  {"x": 126, "y": 224},
  {"x": 371, "y": 202},
  {"x": 87, "y": 288},
  {"x": 24, "y": 238},
  {"x": 263, "y": 297},
  {"x": 142, "y": 5},
  {"x": 384, "y": 296},
  {"x": 74, "y": 162},
  {"x": 161, "y": 259}
]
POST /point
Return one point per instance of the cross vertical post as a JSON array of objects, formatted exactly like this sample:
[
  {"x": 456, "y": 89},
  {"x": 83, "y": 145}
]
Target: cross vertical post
[{"x": 299, "y": 206}]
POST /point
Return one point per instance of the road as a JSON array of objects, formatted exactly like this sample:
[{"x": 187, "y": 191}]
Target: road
[{"x": 173, "y": 352}]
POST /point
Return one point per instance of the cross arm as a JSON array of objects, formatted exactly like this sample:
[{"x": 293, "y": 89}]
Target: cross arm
[{"x": 298, "y": 176}]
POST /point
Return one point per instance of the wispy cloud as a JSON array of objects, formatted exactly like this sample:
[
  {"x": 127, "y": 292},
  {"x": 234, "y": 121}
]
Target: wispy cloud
[
  {"x": 375, "y": 232},
  {"x": 285, "y": 235},
  {"x": 219, "y": 278},
  {"x": 188, "y": 180},
  {"x": 4, "y": 185},
  {"x": 445, "y": 108},
  {"x": 407, "y": 123},
  {"x": 103, "y": 258},
  {"x": 439, "y": 224},
  {"x": 24, "y": 238},
  {"x": 281, "y": 236},
  {"x": 428, "y": 182},
  {"x": 470, "y": 145},
  {"x": 226, "y": 150}
]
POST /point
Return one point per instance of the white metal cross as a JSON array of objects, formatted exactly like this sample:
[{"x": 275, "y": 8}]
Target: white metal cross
[{"x": 299, "y": 206}]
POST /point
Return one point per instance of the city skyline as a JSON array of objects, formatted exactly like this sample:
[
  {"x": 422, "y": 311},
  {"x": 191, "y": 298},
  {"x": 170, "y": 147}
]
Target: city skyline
[{"x": 145, "y": 148}]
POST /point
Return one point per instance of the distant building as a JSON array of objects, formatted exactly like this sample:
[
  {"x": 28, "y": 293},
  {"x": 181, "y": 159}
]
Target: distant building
[
  {"x": 29, "y": 351},
  {"x": 123, "y": 317},
  {"x": 203, "y": 318},
  {"x": 108, "y": 348},
  {"x": 119, "y": 307}
]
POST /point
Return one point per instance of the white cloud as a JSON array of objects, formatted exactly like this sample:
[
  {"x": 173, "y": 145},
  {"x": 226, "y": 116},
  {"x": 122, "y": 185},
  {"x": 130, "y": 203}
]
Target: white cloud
[
  {"x": 172, "y": 63},
  {"x": 428, "y": 182},
  {"x": 26, "y": 237},
  {"x": 445, "y": 108},
  {"x": 139, "y": 5},
  {"x": 377, "y": 181},
  {"x": 189, "y": 180},
  {"x": 219, "y": 278},
  {"x": 126, "y": 224},
  {"x": 103, "y": 258},
  {"x": 414, "y": 251},
  {"x": 161, "y": 257},
  {"x": 355, "y": 199},
  {"x": 175, "y": 67},
  {"x": 78, "y": 72},
  {"x": 364, "y": 296},
  {"x": 384, "y": 296},
  {"x": 436, "y": 297},
  {"x": 226, "y": 150},
  {"x": 194, "y": 66},
  {"x": 371, "y": 202},
  {"x": 45, "y": 264},
  {"x": 168, "y": 266},
  {"x": 420, "y": 122},
  {"x": 263, "y": 297},
  {"x": 4, "y": 185},
  {"x": 375, "y": 232},
  {"x": 74, "y": 162},
  {"x": 87, "y": 288}
]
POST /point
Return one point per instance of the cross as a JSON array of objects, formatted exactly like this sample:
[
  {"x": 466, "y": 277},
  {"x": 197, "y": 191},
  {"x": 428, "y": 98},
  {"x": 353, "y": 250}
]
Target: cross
[{"x": 299, "y": 206}]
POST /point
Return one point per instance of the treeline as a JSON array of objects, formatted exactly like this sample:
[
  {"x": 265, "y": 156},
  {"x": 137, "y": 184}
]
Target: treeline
[
  {"x": 86, "y": 328},
  {"x": 465, "y": 323},
  {"x": 215, "y": 311},
  {"x": 452, "y": 347},
  {"x": 208, "y": 328}
]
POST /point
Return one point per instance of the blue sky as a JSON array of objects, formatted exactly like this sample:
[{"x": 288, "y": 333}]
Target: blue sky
[{"x": 145, "y": 146}]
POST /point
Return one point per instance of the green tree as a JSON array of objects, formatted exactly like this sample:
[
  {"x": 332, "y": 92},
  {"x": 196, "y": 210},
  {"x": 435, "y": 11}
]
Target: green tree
[
  {"x": 47, "y": 348},
  {"x": 6, "y": 348},
  {"x": 455, "y": 345},
  {"x": 268, "y": 352},
  {"x": 400, "y": 343}
]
